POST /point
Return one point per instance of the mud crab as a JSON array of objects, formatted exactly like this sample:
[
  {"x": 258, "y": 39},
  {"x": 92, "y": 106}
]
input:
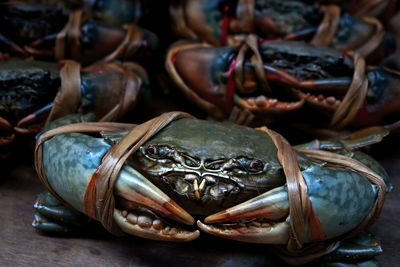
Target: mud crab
[
  {"x": 50, "y": 32},
  {"x": 232, "y": 175},
  {"x": 228, "y": 22},
  {"x": 30, "y": 93},
  {"x": 266, "y": 79}
]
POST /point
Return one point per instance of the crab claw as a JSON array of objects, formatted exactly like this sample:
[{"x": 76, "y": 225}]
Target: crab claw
[
  {"x": 258, "y": 220},
  {"x": 140, "y": 202},
  {"x": 206, "y": 74},
  {"x": 135, "y": 196},
  {"x": 194, "y": 66},
  {"x": 340, "y": 200},
  {"x": 33, "y": 123}
]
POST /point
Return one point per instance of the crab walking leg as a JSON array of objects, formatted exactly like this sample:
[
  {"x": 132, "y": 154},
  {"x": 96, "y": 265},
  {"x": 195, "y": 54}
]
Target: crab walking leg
[
  {"x": 70, "y": 160},
  {"x": 340, "y": 199}
]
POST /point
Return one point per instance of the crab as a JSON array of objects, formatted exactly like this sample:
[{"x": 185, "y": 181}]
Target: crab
[
  {"x": 48, "y": 32},
  {"x": 266, "y": 79},
  {"x": 30, "y": 94},
  {"x": 229, "y": 22},
  {"x": 229, "y": 177}
]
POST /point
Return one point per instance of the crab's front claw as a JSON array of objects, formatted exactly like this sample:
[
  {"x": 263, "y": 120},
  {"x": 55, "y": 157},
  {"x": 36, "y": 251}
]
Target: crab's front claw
[
  {"x": 199, "y": 71},
  {"x": 258, "y": 220},
  {"x": 34, "y": 122},
  {"x": 140, "y": 203},
  {"x": 70, "y": 162},
  {"x": 340, "y": 200},
  {"x": 218, "y": 81}
]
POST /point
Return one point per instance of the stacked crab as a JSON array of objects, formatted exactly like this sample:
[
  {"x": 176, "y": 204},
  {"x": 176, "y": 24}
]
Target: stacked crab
[
  {"x": 58, "y": 61},
  {"x": 290, "y": 64}
]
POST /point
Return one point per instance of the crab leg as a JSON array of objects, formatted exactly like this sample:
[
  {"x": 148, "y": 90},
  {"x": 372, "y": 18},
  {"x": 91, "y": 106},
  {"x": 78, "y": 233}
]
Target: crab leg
[
  {"x": 13, "y": 46},
  {"x": 271, "y": 207},
  {"x": 33, "y": 122},
  {"x": 340, "y": 84},
  {"x": 141, "y": 197},
  {"x": 43, "y": 40},
  {"x": 340, "y": 200},
  {"x": 301, "y": 34}
]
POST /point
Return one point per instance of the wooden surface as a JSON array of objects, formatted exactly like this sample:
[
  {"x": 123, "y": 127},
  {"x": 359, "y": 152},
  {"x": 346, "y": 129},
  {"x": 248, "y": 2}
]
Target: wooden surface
[{"x": 22, "y": 245}]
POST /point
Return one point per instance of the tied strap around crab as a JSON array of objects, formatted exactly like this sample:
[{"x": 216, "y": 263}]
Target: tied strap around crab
[
  {"x": 177, "y": 79},
  {"x": 68, "y": 98},
  {"x": 68, "y": 43},
  {"x": 349, "y": 108},
  {"x": 327, "y": 30},
  {"x": 99, "y": 201},
  {"x": 300, "y": 208}
]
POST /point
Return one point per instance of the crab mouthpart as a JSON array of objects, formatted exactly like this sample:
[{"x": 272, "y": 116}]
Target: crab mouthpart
[
  {"x": 144, "y": 223},
  {"x": 203, "y": 188}
]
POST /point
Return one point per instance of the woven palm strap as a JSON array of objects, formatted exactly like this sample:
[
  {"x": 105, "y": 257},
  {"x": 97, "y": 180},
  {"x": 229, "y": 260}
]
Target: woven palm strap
[
  {"x": 68, "y": 97},
  {"x": 68, "y": 40}
]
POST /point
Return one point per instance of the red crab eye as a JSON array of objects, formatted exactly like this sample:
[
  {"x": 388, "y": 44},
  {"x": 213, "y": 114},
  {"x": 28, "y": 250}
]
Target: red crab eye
[
  {"x": 255, "y": 164},
  {"x": 151, "y": 149}
]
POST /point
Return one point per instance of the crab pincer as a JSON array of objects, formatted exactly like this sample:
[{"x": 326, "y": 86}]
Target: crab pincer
[
  {"x": 141, "y": 207},
  {"x": 136, "y": 191}
]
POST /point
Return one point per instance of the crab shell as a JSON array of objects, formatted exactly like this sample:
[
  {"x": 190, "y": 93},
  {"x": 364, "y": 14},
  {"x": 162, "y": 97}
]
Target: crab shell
[
  {"x": 31, "y": 87},
  {"x": 88, "y": 41},
  {"x": 300, "y": 76},
  {"x": 195, "y": 168}
]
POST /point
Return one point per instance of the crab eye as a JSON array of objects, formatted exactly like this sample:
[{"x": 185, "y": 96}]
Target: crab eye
[
  {"x": 256, "y": 164},
  {"x": 152, "y": 150},
  {"x": 157, "y": 152},
  {"x": 250, "y": 165}
]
